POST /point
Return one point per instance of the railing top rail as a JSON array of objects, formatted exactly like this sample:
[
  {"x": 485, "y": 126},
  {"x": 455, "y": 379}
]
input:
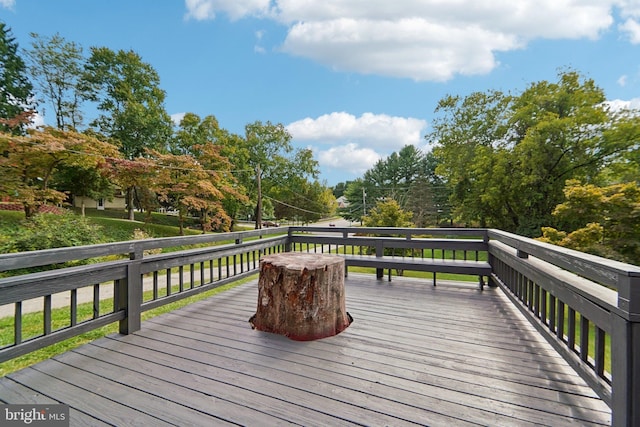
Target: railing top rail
[
  {"x": 593, "y": 267},
  {"x": 475, "y": 232},
  {"x": 13, "y": 261}
]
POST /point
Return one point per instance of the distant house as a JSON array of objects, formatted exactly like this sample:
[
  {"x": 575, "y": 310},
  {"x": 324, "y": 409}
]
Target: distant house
[
  {"x": 118, "y": 201},
  {"x": 342, "y": 202}
]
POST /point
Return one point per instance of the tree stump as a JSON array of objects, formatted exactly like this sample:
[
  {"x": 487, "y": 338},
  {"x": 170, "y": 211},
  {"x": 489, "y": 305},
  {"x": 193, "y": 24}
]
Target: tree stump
[{"x": 301, "y": 296}]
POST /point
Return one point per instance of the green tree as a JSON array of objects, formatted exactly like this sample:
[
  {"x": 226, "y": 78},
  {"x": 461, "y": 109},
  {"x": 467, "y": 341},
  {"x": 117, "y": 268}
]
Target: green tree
[
  {"x": 128, "y": 93},
  {"x": 408, "y": 177},
  {"x": 388, "y": 213},
  {"x": 85, "y": 181},
  {"x": 601, "y": 220},
  {"x": 339, "y": 189},
  {"x": 57, "y": 66},
  {"x": 193, "y": 132},
  {"x": 355, "y": 193},
  {"x": 272, "y": 157},
  {"x": 16, "y": 99},
  {"x": 506, "y": 158}
]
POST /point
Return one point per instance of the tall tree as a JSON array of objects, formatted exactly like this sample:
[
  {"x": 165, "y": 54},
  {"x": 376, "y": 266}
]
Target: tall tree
[
  {"x": 128, "y": 93},
  {"x": 212, "y": 146},
  {"x": 16, "y": 91},
  {"x": 57, "y": 66},
  {"x": 272, "y": 157}
]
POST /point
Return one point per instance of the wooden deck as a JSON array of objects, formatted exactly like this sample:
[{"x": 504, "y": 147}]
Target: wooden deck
[{"x": 415, "y": 354}]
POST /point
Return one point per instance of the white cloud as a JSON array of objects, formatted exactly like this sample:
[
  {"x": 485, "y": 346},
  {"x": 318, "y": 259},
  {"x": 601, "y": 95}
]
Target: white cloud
[
  {"x": 348, "y": 158},
  {"x": 420, "y": 39},
  {"x": 620, "y": 105},
  {"x": 206, "y": 9},
  {"x": 631, "y": 28},
  {"x": 354, "y": 144},
  {"x": 177, "y": 118},
  {"x": 373, "y": 130},
  {"x": 8, "y": 4}
]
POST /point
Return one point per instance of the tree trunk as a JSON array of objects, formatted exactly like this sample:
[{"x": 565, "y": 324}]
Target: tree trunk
[{"x": 301, "y": 296}]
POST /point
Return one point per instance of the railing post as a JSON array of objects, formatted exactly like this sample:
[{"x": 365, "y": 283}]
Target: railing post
[
  {"x": 130, "y": 294},
  {"x": 287, "y": 245},
  {"x": 625, "y": 355},
  {"x": 379, "y": 254},
  {"x": 490, "y": 259}
]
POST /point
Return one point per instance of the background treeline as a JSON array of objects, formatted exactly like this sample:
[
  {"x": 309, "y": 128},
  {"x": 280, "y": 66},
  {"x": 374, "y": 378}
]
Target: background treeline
[
  {"x": 556, "y": 162},
  {"x": 132, "y": 146}
]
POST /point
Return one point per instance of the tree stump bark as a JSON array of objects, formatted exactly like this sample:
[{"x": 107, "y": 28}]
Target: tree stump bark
[{"x": 301, "y": 296}]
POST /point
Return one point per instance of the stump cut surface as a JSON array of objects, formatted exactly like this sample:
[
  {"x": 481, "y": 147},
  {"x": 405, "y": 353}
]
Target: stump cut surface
[{"x": 301, "y": 296}]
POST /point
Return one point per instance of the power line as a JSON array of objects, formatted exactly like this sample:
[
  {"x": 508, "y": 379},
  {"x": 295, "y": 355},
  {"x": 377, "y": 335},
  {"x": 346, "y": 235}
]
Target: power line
[{"x": 291, "y": 206}]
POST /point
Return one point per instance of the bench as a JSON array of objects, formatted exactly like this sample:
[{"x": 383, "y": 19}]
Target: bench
[{"x": 473, "y": 268}]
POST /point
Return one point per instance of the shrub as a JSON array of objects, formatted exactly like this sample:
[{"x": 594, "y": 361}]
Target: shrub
[{"x": 46, "y": 231}]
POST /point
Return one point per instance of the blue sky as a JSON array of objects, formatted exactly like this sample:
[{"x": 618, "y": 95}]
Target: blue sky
[{"x": 353, "y": 80}]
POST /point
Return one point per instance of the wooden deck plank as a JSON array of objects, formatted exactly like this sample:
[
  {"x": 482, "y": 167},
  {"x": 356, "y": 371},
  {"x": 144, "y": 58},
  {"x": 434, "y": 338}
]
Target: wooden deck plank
[
  {"x": 246, "y": 390},
  {"x": 197, "y": 327},
  {"x": 81, "y": 399},
  {"x": 15, "y": 392},
  {"x": 384, "y": 358},
  {"x": 415, "y": 354}
]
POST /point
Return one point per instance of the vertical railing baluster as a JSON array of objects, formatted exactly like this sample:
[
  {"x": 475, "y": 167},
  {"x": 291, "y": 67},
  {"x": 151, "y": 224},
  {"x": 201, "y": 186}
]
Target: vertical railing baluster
[
  {"x": 584, "y": 338},
  {"x": 561, "y": 319},
  {"x": 74, "y": 306},
  {"x": 599, "y": 356},
  {"x": 552, "y": 313},
  {"x": 203, "y": 280},
  {"x": 571, "y": 333},
  {"x": 96, "y": 301},
  {"x": 116, "y": 289},
  {"x": 155, "y": 285},
  {"x": 17, "y": 323},
  {"x": 47, "y": 314}
]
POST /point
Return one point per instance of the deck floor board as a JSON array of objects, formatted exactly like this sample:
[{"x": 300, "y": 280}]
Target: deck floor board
[{"x": 415, "y": 355}]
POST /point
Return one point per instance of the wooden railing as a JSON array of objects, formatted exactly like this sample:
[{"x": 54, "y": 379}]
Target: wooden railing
[
  {"x": 115, "y": 283},
  {"x": 587, "y": 307}
]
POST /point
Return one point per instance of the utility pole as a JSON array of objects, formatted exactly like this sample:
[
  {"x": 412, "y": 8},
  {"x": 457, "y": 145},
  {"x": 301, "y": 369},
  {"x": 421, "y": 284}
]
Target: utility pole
[
  {"x": 364, "y": 204},
  {"x": 259, "y": 207}
]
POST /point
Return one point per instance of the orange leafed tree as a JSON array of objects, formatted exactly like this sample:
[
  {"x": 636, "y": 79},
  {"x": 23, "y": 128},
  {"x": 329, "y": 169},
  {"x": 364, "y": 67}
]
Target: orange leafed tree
[
  {"x": 183, "y": 182},
  {"x": 29, "y": 162}
]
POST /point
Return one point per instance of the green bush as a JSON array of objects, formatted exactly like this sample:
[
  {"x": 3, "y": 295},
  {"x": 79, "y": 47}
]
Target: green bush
[{"x": 45, "y": 231}]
